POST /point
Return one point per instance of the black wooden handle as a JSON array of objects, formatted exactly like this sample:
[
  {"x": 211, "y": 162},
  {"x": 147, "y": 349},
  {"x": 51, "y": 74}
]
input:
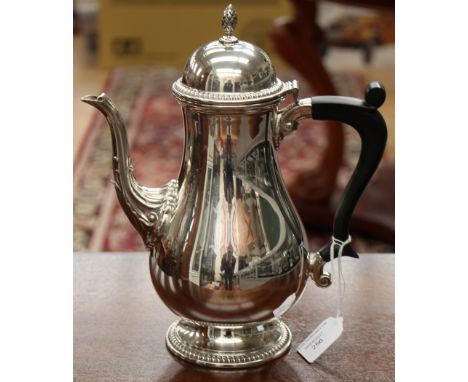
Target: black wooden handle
[{"x": 363, "y": 116}]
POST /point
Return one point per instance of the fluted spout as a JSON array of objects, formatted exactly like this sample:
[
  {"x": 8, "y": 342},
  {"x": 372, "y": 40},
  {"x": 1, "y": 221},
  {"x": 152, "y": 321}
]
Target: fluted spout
[{"x": 146, "y": 208}]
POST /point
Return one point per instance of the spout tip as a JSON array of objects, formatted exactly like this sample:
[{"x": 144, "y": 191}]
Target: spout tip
[
  {"x": 89, "y": 99},
  {"x": 92, "y": 100}
]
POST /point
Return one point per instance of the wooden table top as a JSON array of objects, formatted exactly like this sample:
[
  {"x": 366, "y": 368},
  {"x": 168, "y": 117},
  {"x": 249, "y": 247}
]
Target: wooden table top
[{"x": 120, "y": 325}]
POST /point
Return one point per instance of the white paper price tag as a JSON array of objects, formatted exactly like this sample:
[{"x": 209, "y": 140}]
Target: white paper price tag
[{"x": 321, "y": 338}]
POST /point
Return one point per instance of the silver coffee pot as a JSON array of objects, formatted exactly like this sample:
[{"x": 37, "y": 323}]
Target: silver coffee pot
[{"x": 228, "y": 252}]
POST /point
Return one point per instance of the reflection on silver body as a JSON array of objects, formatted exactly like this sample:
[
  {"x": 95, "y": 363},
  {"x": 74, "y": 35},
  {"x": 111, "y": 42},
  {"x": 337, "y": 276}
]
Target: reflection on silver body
[
  {"x": 228, "y": 251},
  {"x": 231, "y": 198}
]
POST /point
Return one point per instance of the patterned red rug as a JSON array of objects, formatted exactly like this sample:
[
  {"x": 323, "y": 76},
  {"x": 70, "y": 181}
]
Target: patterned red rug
[{"x": 154, "y": 124}]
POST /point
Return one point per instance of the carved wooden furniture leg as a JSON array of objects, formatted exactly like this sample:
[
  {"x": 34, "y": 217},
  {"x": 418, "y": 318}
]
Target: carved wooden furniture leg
[{"x": 296, "y": 41}]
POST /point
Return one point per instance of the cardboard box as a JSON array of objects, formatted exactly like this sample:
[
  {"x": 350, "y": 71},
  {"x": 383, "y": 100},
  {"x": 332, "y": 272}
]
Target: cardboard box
[{"x": 166, "y": 33}]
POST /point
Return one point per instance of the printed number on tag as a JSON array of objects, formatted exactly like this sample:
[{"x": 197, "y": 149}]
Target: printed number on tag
[{"x": 321, "y": 338}]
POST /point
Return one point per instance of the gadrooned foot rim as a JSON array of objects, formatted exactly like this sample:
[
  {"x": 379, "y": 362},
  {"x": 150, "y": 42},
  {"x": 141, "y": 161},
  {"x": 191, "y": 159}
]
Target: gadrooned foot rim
[{"x": 241, "y": 349}]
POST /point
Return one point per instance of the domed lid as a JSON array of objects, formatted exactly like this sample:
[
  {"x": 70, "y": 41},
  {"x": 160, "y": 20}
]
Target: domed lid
[{"x": 229, "y": 71}]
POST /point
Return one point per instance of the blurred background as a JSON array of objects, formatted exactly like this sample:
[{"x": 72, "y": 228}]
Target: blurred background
[{"x": 135, "y": 49}]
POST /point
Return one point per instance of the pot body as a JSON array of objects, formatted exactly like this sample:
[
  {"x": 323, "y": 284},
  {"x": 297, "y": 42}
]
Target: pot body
[{"x": 234, "y": 249}]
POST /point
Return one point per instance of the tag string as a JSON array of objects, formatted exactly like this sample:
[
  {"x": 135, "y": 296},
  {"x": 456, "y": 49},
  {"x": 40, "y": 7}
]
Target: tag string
[{"x": 341, "y": 245}]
